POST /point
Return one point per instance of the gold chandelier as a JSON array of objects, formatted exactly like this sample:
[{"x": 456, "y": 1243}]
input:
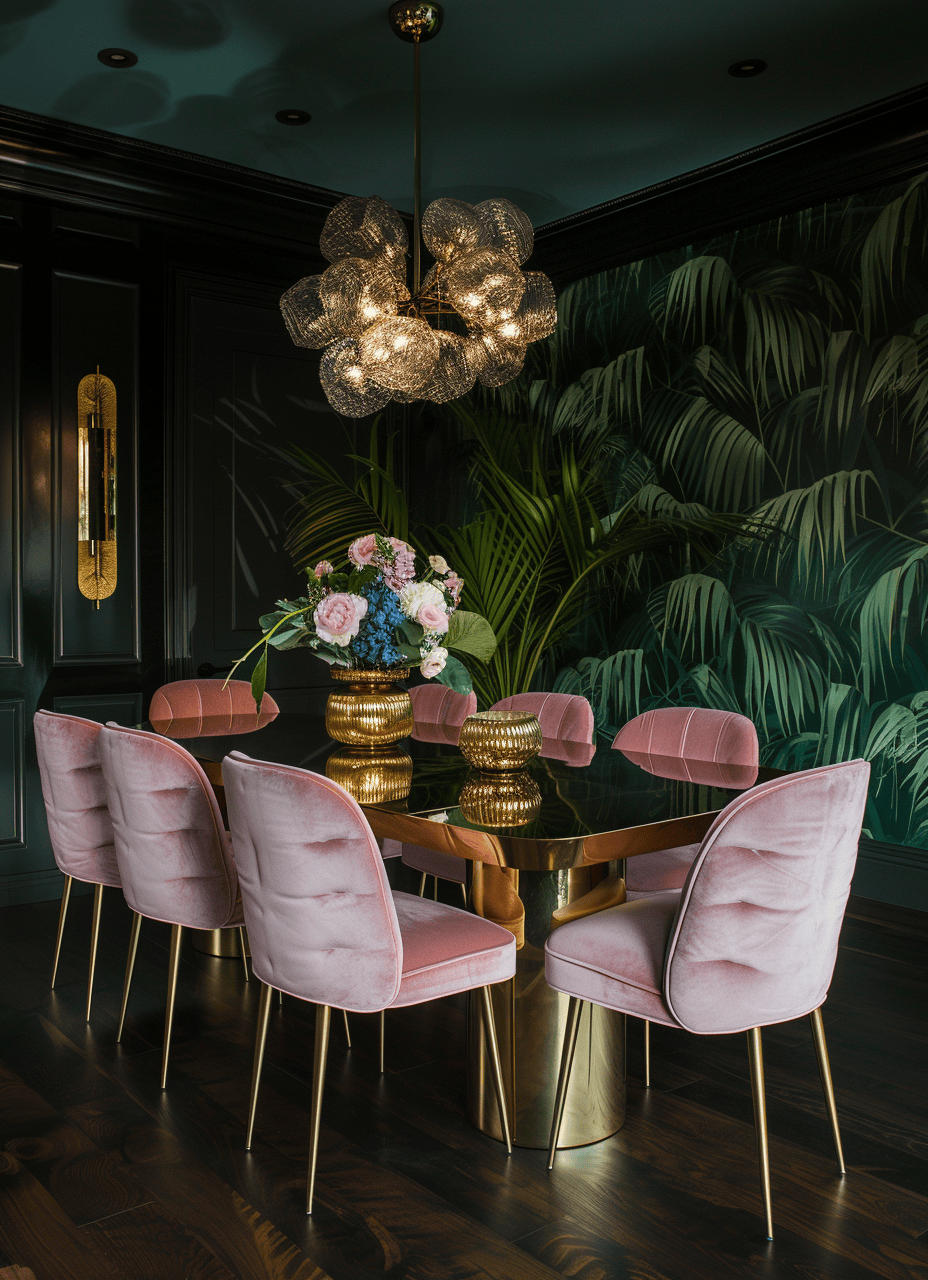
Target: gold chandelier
[{"x": 471, "y": 317}]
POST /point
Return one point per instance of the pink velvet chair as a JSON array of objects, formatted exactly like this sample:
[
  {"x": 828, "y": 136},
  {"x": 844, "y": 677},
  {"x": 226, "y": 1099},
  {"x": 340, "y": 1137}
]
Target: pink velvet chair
[
  {"x": 79, "y": 824},
  {"x": 673, "y": 742},
  {"x": 561, "y": 715},
  {"x": 438, "y": 713},
  {"x": 174, "y": 855},
  {"x": 749, "y": 941},
  {"x": 325, "y": 926},
  {"x": 196, "y": 699}
]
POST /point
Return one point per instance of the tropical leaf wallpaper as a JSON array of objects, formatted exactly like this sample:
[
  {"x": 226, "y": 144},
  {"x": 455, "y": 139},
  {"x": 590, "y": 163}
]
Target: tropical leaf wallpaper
[{"x": 780, "y": 373}]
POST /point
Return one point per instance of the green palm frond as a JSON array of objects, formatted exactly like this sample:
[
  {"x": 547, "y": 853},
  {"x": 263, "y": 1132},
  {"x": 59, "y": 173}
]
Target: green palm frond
[
  {"x": 691, "y": 302},
  {"x": 893, "y": 614},
  {"x": 818, "y": 520},
  {"x": 884, "y": 259}
]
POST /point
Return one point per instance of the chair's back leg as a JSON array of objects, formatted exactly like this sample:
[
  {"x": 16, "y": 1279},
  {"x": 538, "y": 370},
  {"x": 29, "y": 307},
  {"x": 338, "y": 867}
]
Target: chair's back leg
[
  {"x": 94, "y": 939},
  {"x": 244, "y": 946},
  {"x": 563, "y": 1080},
  {"x": 821, "y": 1049},
  {"x": 347, "y": 1030},
  {"x": 647, "y": 1054},
  {"x": 62, "y": 916},
  {"x": 177, "y": 933},
  {"x": 264, "y": 1012},
  {"x": 756, "y": 1056},
  {"x": 130, "y": 965},
  {"x": 383, "y": 1037},
  {"x": 321, "y": 1052},
  {"x": 489, "y": 1027}
]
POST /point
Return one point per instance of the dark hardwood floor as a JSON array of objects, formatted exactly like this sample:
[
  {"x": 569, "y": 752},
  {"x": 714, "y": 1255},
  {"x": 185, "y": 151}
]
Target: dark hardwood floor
[{"x": 103, "y": 1175}]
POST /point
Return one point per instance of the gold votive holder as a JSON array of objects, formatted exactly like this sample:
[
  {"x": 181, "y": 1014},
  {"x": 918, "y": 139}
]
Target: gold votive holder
[
  {"x": 500, "y": 799},
  {"x": 500, "y": 741},
  {"x": 372, "y": 777}
]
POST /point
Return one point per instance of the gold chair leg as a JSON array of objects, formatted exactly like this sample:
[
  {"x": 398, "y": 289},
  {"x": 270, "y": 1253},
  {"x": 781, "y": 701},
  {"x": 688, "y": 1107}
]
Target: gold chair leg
[
  {"x": 464, "y": 894},
  {"x": 756, "y": 1055},
  {"x": 489, "y": 1026},
  {"x": 323, "y": 1015},
  {"x": 241, "y": 939},
  {"x": 62, "y": 914},
  {"x": 130, "y": 965},
  {"x": 94, "y": 939},
  {"x": 821, "y": 1050},
  {"x": 177, "y": 933},
  {"x": 647, "y": 1055},
  {"x": 280, "y": 998},
  {"x": 434, "y": 888},
  {"x": 563, "y": 1079},
  {"x": 422, "y": 885},
  {"x": 383, "y": 1037},
  {"x": 264, "y": 1013},
  {"x": 347, "y": 1032}
]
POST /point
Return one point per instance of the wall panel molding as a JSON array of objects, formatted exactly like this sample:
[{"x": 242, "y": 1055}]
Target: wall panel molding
[
  {"x": 12, "y": 754},
  {"x": 123, "y": 708},
  {"x": 96, "y": 322},
  {"x": 11, "y": 628}
]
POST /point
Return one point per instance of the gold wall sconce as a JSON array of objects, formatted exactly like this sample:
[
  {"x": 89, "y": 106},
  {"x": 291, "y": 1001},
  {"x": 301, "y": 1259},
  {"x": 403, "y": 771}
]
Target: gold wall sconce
[{"x": 96, "y": 483}]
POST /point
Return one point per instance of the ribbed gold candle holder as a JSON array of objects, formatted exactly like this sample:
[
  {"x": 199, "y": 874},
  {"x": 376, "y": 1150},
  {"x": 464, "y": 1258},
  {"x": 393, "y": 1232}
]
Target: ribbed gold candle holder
[
  {"x": 371, "y": 712},
  {"x": 500, "y": 741},
  {"x": 372, "y": 777},
  {"x": 500, "y": 799}
]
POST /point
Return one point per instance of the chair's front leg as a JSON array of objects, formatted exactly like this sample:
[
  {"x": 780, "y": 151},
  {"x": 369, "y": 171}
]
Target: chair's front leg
[
  {"x": 94, "y": 939},
  {"x": 264, "y": 1013},
  {"x": 489, "y": 1026},
  {"x": 563, "y": 1078},
  {"x": 323, "y": 1017},
  {"x": 62, "y": 916},
  {"x": 821, "y": 1050},
  {"x": 756, "y": 1055},
  {"x": 130, "y": 965},
  {"x": 177, "y": 934}
]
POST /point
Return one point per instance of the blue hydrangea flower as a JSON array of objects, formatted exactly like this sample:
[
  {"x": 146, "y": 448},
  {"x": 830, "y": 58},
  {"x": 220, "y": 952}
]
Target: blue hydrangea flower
[{"x": 376, "y": 639}]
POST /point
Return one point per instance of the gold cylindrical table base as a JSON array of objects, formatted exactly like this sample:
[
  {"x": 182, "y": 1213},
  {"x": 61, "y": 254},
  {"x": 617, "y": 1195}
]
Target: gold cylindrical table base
[
  {"x": 218, "y": 942},
  {"x": 530, "y": 1021}
]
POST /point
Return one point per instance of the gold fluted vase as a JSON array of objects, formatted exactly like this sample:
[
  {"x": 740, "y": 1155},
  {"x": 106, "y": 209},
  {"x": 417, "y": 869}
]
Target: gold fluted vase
[
  {"x": 500, "y": 741},
  {"x": 370, "y": 712}
]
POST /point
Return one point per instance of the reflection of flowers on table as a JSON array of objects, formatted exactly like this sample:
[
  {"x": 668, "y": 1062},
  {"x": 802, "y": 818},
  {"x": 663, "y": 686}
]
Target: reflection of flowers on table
[{"x": 374, "y": 613}]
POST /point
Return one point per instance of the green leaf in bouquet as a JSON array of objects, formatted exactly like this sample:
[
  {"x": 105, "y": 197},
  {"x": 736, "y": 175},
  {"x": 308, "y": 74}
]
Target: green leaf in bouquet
[
  {"x": 259, "y": 679},
  {"x": 455, "y": 675},
  {"x": 360, "y": 578},
  {"x": 411, "y": 632},
  {"x": 470, "y": 633},
  {"x": 289, "y": 639},
  {"x": 411, "y": 652},
  {"x": 267, "y": 620},
  {"x": 338, "y": 581}
]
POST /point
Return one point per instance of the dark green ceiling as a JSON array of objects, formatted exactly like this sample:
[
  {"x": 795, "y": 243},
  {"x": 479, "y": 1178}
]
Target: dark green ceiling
[{"x": 557, "y": 105}]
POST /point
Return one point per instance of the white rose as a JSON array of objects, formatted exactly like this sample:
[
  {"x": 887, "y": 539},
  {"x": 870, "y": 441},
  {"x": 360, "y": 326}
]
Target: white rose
[
  {"x": 413, "y": 597},
  {"x": 434, "y": 663},
  {"x": 439, "y": 564}
]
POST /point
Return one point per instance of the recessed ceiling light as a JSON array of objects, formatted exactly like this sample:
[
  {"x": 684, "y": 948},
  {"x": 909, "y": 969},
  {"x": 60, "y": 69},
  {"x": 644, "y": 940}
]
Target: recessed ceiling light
[
  {"x": 293, "y": 115},
  {"x": 117, "y": 57},
  {"x": 749, "y": 67}
]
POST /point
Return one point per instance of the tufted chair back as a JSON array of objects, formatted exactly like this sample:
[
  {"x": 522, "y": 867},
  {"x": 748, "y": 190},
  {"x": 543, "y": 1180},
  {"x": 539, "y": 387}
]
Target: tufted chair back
[
  {"x": 681, "y": 734},
  {"x": 75, "y": 797},
  {"x": 173, "y": 851},
  {"x": 318, "y": 908},
  {"x": 756, "y": 933},
  {"x": 193, "y": 699},
  {"x": 561, "y": 715},
  {"x": 437, "y": 704}
]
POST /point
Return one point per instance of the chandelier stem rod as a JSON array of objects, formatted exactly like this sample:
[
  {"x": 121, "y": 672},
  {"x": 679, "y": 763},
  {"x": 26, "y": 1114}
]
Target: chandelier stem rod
[{"x": 417, "y": 172}]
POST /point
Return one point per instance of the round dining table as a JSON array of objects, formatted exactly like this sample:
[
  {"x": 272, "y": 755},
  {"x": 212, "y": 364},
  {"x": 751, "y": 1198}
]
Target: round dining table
[{"x": 544, "y": 845}]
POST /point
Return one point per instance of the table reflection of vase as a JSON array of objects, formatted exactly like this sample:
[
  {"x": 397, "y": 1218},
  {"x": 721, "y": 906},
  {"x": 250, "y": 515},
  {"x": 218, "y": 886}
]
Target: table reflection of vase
[
  {"x": 374, "y": 776},
  {"x": 371, "y": 711},
  {"x": 501, "y": 799},
  {"x": 500, "y": 741}
]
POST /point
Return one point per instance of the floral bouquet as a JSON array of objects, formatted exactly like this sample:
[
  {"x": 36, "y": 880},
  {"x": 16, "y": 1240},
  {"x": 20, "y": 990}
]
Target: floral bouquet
[{"x": 376, "y": 614}]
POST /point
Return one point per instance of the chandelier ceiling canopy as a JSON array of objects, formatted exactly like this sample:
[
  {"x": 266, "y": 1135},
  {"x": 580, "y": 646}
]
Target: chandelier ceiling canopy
[{"x": 470, "y": 318}]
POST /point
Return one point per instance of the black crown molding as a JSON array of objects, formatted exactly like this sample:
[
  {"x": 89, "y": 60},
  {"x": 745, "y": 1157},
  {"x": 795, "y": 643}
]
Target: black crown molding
[
  {"x": 884, "y": 142},
  {"x": 77, "y": 165}
]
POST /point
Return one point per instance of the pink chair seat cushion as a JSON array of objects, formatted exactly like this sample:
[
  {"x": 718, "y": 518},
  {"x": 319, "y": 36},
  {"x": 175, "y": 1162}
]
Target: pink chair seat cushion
[
  {"x": 616, "y": 957},
  {"x": 560, "y": 715},
  {"x": 655, "y": 872},
  {"x": 444, "y": 865},
  {"x": 74, "y": 791},
  {"x": 446, "y": 950}
]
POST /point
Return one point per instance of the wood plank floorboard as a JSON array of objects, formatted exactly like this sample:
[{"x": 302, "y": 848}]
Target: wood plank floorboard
[{"x": 103, "y": 1175}]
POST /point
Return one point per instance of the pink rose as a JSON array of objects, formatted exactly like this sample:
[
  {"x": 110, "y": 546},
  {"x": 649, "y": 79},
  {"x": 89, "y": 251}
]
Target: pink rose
[
  {"x": 432, "y": 618},
  {"x": 323, "y": 568},
  {"x": 453, "y": 584},
  {"x": 435, "y": 662},
  {"x": 338, "y": 617},
  {"x": 361, "y": 551}
]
